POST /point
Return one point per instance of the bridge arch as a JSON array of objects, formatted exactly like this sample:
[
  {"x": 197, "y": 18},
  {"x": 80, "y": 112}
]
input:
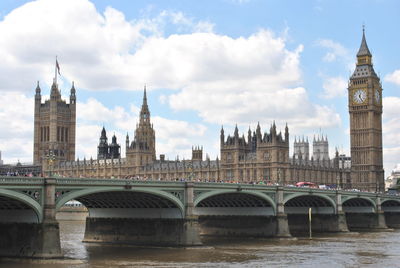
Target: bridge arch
[
  {"x": 359, "y": 205},
  {"x": 19, "y": 201},
  {"x": 233, "y": 202},
  {"x": 116, "y": 201},
  {"x": 299, "y": 203},
  {"x": 391, "y": 205}
]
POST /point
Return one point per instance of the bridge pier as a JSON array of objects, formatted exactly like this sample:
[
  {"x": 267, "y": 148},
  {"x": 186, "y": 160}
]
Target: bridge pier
[
  {"x": 48, "y": 236},
  {"x": 191, "y": 230},
  {"x": 340, "y": 221},
  {"x": 392, "y": 219},
  {"x": 282, "y": 224},
  {"x": 34, "y": 240}
]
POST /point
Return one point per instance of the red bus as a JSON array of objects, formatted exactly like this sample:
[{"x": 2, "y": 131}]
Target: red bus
[{"x": 306, "y": 184}]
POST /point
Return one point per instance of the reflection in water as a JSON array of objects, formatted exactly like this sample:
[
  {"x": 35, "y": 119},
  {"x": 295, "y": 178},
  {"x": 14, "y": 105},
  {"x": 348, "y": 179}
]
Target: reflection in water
[{"x": 339, "y": 250}]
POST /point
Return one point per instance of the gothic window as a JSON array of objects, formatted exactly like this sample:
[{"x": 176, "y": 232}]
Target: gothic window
[
  {"x": 229, "y": 157},
  {"x": 229, "y": 174},
  {"x": 266, "y": 174},
  {"x": 267, "y": 156}
]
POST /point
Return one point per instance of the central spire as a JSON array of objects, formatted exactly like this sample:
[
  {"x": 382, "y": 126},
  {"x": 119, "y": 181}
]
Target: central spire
[
  {"x": 144, "y": 96},
  {"x": 145, "y": 108},
  {"x": 144, "y": 112}
]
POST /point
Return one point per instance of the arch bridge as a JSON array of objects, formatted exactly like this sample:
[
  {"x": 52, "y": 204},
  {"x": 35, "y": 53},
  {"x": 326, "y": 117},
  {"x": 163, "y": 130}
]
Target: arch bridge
[{"x": 177, "y": 213}]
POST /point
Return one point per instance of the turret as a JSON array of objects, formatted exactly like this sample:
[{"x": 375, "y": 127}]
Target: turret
[
  {"x": 114, "y": 148},
  {"x": 38, "y": 99},
  {"x": 144, "y": 112},
  {"x": 38, "y": 96},
  {"x": 72, "y": 96},
  {"x": 274, "y": 129},
  {"x": 103, "y": 135},
  {"x": 54, "y": 93},
  {"x": 127, "y": 141},
  {"x": 249, "y": 135},
  {"x": 236, "y": 134},
  {"x": 222, "y": 136},
  {"x": 258, "y": 133},
  {"x": 102, "y": 148},
  {"x": 286, "y": 134}
]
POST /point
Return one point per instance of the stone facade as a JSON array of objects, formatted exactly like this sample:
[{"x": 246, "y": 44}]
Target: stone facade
[
  {"x": 264, "y": 156},
  {"x": 260, "y": 157},
  {"x": 54, "y": 126}
]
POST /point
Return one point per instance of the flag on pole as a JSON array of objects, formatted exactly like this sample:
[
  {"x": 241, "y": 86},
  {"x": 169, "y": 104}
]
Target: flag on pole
[{"x": 58, "y": 67}]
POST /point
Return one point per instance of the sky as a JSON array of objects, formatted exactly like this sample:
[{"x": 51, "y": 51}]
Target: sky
[{"x": 205, "y": 64}]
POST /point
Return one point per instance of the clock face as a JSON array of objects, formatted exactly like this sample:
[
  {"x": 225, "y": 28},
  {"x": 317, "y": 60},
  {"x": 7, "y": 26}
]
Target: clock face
[
  {"x": 377, "y": 96},
  {"x": 360, "y": 96}
]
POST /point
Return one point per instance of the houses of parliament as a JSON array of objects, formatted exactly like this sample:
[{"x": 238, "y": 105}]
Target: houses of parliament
[{"x": 257, "y": 156}]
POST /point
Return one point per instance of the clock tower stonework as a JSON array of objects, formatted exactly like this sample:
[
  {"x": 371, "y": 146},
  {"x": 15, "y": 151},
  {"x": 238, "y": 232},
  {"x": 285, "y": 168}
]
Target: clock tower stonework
[{"x": 365, "y": 108}]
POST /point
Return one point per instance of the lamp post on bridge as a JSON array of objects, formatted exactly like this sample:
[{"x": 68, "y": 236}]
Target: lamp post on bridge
[
  {"x": 279, "y": 176},
  {"x": 338, "y": 187},
  {"x": 190, "y": 169},
  {"x": 50, "y": 157}
]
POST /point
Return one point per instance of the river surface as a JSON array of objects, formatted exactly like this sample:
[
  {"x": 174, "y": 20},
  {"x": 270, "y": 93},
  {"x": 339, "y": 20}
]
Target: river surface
[{"x": 380, "y": 249}]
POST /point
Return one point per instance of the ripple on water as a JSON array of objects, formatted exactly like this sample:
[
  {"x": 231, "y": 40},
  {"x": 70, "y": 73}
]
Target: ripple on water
[{"x": 337, "y": 250}]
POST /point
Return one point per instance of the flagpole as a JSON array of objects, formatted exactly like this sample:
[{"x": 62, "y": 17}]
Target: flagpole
[{"x": 55, "y": 72}]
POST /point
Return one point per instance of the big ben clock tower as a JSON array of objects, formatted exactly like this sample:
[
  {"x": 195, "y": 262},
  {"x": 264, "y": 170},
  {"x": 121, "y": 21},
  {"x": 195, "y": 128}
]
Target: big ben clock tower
[{"x": 365, "y": 108}]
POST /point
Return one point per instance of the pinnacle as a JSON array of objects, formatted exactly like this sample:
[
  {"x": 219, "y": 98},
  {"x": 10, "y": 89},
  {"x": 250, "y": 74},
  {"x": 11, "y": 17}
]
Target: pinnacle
[{"x": 364, "y": 51}]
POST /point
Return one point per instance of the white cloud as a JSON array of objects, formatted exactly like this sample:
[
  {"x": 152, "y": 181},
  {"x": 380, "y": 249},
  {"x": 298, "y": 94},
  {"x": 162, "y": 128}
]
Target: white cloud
[
  {"x": 393, "y": 77},
  {"x": 95, "y": 111},
  {"x": 334, "y": 87},
  {"x": 185, "y": 23},
  {"x": 391, "y": 133},
  {"x": 252, "y": 105},
  {"x": 16, "y": 135},
  {"x": 100, "y": 51},
  {"x": 336, "y": 52},
  {"x": 224, "y": 79}
]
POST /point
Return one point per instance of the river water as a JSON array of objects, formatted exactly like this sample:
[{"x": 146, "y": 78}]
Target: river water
[{"x": 380, "y": 249}]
